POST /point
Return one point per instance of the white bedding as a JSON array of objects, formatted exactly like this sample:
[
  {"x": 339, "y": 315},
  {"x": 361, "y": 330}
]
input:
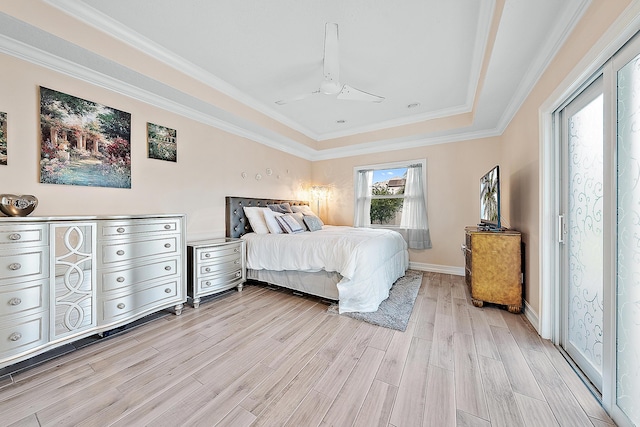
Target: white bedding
[{"x": 369, "y": 260}]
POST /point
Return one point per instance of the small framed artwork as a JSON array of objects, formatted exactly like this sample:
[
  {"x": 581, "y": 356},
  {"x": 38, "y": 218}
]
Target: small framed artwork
[
  {"x": 3, "y": 138},
  {"x": 83, "y": 142},
  {"x": 163, "y": 142}
]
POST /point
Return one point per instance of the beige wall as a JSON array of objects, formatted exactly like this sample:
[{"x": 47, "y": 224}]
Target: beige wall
[
  {"x": 521, "y": 139},
  {"x": 453, "y": 199},
  {"x": 209, "y": 167}
]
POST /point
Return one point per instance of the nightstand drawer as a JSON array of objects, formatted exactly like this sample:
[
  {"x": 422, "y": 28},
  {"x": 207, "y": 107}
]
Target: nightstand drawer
[
  {"x": 135, "y": 250},
  {"x": 125, "y": 277},
  {"x": 233, "y": 262},
  {"x": 23, "y": 235},
  {"x": 22, "y": 299},
  {"x": 24, "y": 264},
  {"x": 138, "y": 302},
  {"x": 223, "y": 280},
  {"x": 219, "y": 252},
  {"x": 23, "y": 334}
]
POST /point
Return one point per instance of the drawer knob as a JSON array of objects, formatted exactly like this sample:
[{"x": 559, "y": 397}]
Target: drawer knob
[
  {"x": 120, "y": 279},
  {"x": 238, "y": 274},
  {"x": 167, "y": 227},
  {"x": 15, "y": 266},
  {"x": 207, "y": 269},
  {"x": 15, "y": 236},
  {"x": 120, "y": 230},
  {"x": 207, "y": 255},
  {"x": 15, "y": 301},
  {"x": 15, "y": 336},
  {"x": 236, "y": 250},
  {"x": 207, "y": 283},
  {"x": 167, "y": 291},
  {"x": 120, "y": 252},
  {"x": 168, "y": 268},
  {"x": 121, "y": 306},
  {"x": 236, "y": 262},
  {"x": 167, "y": 245}
]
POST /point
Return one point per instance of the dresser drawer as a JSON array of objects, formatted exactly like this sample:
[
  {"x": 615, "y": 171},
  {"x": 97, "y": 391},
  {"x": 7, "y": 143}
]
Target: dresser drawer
[
  {"x": 116, "y": 308},
  {"x": 24, "y": 265},
  {"x": 23, "y": 234},
  {"x": 22, "y": 299},
  {"x": 220, "y": 281},
  {"x": 219, "y": 252},
  {"x": 116, "y": 279},
  {"x": 23, "y": 334},
  {"x": 128, "y": 228},
  {"x": 140, "y": 249}
]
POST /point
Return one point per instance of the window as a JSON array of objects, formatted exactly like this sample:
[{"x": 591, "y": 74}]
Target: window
[{"x": 393, "y": 196}]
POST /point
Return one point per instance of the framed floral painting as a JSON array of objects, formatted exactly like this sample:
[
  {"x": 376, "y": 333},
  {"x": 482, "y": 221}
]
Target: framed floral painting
[
  {"x": 3, "y": 138},
  {"x": 162, "y": 142},
  {"x": 83, "y": 142}
]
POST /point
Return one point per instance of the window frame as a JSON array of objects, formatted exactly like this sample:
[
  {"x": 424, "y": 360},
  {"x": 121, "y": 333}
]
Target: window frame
[{"x": 391, "y": 165}]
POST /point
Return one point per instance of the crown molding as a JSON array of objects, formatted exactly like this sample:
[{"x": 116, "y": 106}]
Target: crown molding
[
  {"x": 115, "y": 29},
  {"x": 55, "y": 63}
]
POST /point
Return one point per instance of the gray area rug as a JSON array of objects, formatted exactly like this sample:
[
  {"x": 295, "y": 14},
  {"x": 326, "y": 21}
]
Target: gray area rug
[{"x": 394, "y": 312}]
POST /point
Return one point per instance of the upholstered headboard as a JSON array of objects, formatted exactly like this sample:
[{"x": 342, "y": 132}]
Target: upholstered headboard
[{"x": 236, "y": 222}]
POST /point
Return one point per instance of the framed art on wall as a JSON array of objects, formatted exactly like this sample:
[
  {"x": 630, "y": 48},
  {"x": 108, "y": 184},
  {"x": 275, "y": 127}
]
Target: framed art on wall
[
  {"x": 163, "y": 143},
  {"x": 3, "y": 138},
  {"x": 83, "y": 142}
]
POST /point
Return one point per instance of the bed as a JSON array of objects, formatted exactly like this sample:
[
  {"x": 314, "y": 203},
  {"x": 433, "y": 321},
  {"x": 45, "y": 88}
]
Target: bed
[{"x": 354, "y": 266}]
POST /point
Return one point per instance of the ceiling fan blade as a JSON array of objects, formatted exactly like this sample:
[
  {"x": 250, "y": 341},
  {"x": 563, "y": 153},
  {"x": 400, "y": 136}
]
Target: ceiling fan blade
[
  {"x": 352, "y": 94},
  {"x": 331, "y": 63},
  {"x": 297, "y": 98}
]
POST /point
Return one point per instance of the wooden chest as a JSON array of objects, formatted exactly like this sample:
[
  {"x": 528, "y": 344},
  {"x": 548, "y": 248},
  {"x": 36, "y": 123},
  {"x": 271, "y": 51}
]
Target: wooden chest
[{"x": 493, "y": 267}]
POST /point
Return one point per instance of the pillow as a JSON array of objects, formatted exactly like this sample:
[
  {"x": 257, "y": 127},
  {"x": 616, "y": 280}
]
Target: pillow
[
  {"x": 270, "y": 218},
  {"x": 289, "y": 224},
  {"x": 300, "y": 218},
  {"x": 306, "y": 211},
  {"x": 282, "y": 207},
  {"x": 313, "y": 222},
  {"x": 255, "y": 216}
]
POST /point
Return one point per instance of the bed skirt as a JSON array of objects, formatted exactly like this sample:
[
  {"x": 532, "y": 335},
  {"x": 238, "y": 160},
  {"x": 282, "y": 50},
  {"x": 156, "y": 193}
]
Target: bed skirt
[{"x": 319, "y": 283}]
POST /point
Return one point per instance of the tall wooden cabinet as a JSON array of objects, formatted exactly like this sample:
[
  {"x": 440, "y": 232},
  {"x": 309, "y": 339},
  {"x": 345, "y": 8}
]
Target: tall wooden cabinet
[
  {"x": 493, "y": 267},
  {"x": 65, "y": 278}
]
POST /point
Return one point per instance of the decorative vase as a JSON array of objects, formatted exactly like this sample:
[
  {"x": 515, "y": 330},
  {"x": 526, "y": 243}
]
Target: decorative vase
[{"x": 12, "y": 205}]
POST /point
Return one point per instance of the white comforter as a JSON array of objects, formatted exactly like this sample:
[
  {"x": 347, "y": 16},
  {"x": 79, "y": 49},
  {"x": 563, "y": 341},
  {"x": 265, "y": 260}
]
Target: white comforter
[{"x": 369, "y": 260}]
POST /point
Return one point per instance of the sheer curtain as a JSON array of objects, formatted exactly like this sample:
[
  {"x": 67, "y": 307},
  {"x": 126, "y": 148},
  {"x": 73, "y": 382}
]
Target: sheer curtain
[
  {"x": 364, "y": 182},
  {"x": 414, "y": 225}
]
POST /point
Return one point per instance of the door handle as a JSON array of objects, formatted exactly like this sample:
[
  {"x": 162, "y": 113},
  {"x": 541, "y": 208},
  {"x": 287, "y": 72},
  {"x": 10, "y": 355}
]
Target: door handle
[{"x": 561, "y": 230}]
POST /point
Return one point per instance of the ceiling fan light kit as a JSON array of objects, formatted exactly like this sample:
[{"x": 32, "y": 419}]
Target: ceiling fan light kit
[{"x": 331, "y": 70}]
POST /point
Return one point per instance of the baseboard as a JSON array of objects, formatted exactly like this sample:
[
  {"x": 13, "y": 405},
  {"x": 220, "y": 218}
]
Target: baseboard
[
  {"x": 435, "y": 268},
  {"x": 532, "y": 317}
]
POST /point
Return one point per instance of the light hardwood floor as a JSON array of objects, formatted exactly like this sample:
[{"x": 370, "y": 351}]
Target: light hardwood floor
[{"x": 267, "y": 358}]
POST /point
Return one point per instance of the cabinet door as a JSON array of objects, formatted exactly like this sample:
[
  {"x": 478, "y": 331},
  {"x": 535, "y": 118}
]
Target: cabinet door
[{"x": 73, "y": 299}]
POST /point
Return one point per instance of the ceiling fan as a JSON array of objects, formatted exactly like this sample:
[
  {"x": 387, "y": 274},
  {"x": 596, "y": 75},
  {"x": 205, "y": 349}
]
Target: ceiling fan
[{"x": 331, "y": 69}]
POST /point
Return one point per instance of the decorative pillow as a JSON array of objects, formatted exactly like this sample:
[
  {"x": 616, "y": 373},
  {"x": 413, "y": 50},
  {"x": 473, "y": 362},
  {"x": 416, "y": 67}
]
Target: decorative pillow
[
  {"x": 289, "y": 224},
  {"x": 255, "y": 216},
  {"x": 313, "y": 222},
  {"x": 300, "y": 218},
  {"x": 270, "y": 218},
  {"x": 282, "y": 207}
]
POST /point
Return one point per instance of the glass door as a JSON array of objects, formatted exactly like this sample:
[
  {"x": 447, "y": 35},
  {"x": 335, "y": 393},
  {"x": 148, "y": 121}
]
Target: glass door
[
  {"x": 627, "y": 292},
  {"x": 582, "y": 287}
]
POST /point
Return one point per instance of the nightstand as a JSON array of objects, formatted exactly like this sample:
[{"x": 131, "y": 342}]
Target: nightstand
[{"x": 214, "y": 266}]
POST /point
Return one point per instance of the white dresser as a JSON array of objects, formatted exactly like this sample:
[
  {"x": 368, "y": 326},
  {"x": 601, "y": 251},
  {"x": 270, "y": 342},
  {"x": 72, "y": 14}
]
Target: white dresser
[
  {"x": 65, "y": 278},
  {"x": 214, "y": 266}
]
